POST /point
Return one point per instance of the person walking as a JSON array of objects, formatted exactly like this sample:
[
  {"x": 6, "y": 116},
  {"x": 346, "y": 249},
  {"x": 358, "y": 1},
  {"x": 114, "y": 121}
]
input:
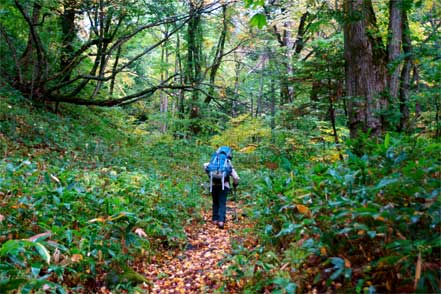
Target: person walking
[{"x": 221, "y": 171}]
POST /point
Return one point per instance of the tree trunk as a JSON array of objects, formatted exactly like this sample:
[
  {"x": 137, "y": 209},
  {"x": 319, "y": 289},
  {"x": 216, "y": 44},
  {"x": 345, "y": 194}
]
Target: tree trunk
[
  {"x": 405, "y": 75},
  {"x": 286, "y": 89},
  {"x": 273, "y": 106},
  {"x": 33, "y": 59},
  {"x": 315, "y": 89},
  {"x": 194, "y": 59},
  {"x": 365, "y": 68},
  {"x": 179, "y": 69},
  {"x": 163, "y": 105},
  {"x": 114, "y": 68},
  {"x": 27, "y": 56},
  {"x": 68, "y": 29},
  {"x": 260, "y": 96},
  {"x": 332, "y": 116},
  {"x": 251, "y": 105},
  {"x": 236, "y": 86},
  {"x": 394, "y": 46},
  {"x": 218, "y": 55}
]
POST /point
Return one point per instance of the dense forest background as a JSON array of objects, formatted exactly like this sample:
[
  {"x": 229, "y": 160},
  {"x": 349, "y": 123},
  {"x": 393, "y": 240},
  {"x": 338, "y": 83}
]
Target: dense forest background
[{"x": 108, "y": 109}]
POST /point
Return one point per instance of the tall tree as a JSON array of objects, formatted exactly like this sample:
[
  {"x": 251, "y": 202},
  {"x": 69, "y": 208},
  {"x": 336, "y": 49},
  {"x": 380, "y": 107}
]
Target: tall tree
[
  {"x": 33, "y": 61},
  {"x": 68, "y": 30},
  {"x": 366, "y": 75},
  {"x": 219, "y": 53},
  {"x": 193, "y": 72},
  {"x": 405, "y": 74},
  {"x": 373, "y": 81},
  {"x": 84, "y": 70},
  {"x": 394, "y": 45}
]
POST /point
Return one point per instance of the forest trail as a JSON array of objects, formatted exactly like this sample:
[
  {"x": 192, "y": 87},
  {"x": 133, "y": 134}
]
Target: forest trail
[{"x": 199, "y": 267}]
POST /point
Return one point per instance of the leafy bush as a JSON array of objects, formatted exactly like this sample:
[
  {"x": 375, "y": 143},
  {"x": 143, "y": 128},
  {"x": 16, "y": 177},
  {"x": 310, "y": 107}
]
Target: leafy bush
[
  {"x": 242, "y": 131},
  {"x": 369, "y": 223},
  {"x": 74, "y": 187}
]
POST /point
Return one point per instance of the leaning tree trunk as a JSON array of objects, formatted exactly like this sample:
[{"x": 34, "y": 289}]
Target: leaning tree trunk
[
  {"x": 218, "y": 54},
  {"x": 33, "y": 60},
  {"x": 365, "y": 68}
]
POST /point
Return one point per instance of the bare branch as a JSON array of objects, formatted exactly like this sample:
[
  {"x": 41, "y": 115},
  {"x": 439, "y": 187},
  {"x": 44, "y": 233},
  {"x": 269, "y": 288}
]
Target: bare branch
[{"x": 117, "y": 101}]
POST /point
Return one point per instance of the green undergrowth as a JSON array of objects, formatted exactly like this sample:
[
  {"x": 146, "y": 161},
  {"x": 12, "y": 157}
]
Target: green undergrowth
[
  {"x": 74, "y": 188},
  {"x": 368, "y": 224},
  {"x": 77, "y": 184}
]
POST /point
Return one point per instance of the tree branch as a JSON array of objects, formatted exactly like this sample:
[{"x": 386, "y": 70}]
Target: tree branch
[
  {"x": 117, "y": 101},
  {"x": 13, "y": 52},
  {"x": 35, "y": 38}
]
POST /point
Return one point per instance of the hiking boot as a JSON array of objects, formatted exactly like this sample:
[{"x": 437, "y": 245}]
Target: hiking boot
[
  {"x": 215, "y": 222},
  {"x": 220, "y": 225}
]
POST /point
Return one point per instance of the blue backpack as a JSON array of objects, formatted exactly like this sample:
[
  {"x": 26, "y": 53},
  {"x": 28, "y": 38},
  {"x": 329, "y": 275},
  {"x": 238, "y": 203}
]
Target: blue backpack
[{"x": 219, "y": 168}]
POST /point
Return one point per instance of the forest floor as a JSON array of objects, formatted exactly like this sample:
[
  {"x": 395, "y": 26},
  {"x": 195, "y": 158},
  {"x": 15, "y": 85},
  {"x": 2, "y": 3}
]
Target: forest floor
[{"x": 200, "y": 266}]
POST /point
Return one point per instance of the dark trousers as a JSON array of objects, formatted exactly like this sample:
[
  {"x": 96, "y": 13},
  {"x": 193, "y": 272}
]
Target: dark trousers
[{"x": 219, "y": 202}]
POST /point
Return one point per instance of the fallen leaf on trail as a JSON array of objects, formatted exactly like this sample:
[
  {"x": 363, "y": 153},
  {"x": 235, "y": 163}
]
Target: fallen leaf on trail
[
  {"x": 303, "y": 209},
  {"x": 380, "y": 218},
  {"x": 2, "y": 218},
  {"x": 200, "y": 267}
]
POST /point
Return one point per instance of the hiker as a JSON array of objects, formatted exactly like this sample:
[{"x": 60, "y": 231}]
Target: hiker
[{"x": 219, "y": 170}]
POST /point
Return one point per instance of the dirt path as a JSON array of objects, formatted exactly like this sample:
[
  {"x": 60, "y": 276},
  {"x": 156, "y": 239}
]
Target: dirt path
[{"x": 198, "y": 268}]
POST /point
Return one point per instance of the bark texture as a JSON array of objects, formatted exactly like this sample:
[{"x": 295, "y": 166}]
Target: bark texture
[
  {"x": 366, "y": 76},
  {"x": 394, "y": 45}
]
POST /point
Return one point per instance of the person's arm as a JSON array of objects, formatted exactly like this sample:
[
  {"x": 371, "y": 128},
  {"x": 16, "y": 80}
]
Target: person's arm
[{"x": 235, "y": 177}]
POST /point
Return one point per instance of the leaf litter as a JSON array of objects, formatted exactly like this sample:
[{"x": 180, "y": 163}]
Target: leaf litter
[{"x": 200, "y": 266}]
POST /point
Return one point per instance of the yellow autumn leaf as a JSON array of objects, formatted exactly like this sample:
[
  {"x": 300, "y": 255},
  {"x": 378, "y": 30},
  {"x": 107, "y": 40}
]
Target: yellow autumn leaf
[
  {"x": 303, "y": 209},
  {"x": 248, "y": 149},
  {"x": 76, "y": 257},
  {"x": 20, "y": 205},
  {"x": 380, "y": 218},
  {"x": 118, "y": 216}
]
